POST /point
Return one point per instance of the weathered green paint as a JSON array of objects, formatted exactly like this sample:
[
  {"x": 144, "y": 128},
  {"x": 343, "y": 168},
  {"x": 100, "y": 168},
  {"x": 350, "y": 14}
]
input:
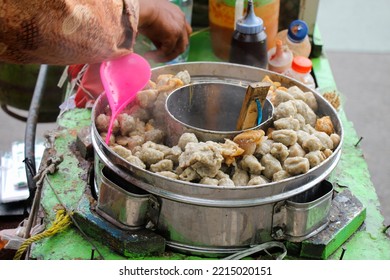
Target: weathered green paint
[
  {"x": 352, "y": 172},
  {"x": 343, "y": 236},
  {"x": 323, "y": 250},
  {"x": 369, "y": 242},
  {"x": 67, "y": 181},
  {"x": 75, "y": 118},
  {"x": 70, "y": 184}
]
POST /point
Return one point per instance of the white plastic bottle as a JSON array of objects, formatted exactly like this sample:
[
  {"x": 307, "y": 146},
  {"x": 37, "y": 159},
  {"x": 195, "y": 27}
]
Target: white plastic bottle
[
  {"x": 279, "y": 58},
  {"x": 300, "y": 71},
  {"x": 296, "y": 38}
]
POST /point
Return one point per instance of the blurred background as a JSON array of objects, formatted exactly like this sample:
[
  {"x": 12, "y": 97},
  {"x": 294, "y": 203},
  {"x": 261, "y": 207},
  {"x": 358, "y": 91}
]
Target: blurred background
[{"x": 357, "y": 43}]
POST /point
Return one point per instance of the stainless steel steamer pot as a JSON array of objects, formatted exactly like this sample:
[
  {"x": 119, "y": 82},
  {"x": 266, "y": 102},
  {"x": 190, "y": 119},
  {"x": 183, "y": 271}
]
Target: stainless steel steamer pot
[{"x": 203, "y": 219}]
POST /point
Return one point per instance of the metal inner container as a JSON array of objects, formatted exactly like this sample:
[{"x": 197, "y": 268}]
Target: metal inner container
[
  {"x": 123, "y": 204},
  {"x": 304, "y": 214},
  {"x": 215, "y": 220},
  {"x": 210, "y": 110}
]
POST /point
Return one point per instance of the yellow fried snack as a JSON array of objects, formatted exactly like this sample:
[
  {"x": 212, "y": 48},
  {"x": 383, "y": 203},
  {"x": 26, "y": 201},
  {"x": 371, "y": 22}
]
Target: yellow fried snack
[
  {"x": 333, "y": 98},
  {"x": 231, "y": 150},
  {"x": 274, "y": 84},
  {"x": 248, "y": 140},
  {"x": 325, "y": 124}
]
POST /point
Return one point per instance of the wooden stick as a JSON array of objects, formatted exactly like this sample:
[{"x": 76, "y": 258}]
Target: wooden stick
[{"x": 248, "y": 114}]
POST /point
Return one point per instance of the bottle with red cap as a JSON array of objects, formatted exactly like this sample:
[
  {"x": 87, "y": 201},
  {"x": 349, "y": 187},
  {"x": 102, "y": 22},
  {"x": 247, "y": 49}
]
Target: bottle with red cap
[{"x": 300, "y": 70}]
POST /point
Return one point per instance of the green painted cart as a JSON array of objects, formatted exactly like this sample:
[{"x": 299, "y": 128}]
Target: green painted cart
[{"x": 358, "y": 232}]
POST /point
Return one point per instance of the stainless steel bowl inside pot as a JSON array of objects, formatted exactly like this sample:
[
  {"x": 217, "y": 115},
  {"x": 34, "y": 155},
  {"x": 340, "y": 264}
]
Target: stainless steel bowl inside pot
[{"x": 210, "y": 110}]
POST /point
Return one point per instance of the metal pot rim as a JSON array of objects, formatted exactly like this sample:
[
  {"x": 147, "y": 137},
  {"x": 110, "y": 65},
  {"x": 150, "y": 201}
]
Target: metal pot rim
[
  {"x": 210, "y": 71},
  {"x": 232, "y": 132}
]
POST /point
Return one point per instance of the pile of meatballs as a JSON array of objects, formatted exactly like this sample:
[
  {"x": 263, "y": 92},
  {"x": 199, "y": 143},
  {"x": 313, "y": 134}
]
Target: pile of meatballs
[{"x": 298, "y": 140}]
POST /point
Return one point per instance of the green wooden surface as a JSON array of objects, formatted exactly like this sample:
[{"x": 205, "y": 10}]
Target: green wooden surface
[
  {"x": 368, "y": 243},
  {"x": 352, "y": 172}
]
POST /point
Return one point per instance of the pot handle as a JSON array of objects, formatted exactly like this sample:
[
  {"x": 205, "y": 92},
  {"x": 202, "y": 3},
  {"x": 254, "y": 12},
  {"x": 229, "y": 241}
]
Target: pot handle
[
  {"x": 13, "y": 114},
  {"x": 258, "y": 248}
]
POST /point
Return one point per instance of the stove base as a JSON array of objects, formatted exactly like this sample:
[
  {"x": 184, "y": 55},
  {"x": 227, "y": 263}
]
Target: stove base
[
  {"x": 125, "y": 242},
  {"x": 347, "y": 215}
]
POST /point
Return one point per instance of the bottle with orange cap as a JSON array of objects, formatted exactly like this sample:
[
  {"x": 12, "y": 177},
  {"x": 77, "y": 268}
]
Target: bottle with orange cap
[{"x": 300, "y": 70}]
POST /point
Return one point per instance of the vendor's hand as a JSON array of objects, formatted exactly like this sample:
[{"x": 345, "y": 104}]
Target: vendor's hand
[{"x": 165, "y": 25}]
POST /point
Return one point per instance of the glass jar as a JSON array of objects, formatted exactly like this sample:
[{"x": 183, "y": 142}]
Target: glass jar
[{"x": 221, "y": 21}]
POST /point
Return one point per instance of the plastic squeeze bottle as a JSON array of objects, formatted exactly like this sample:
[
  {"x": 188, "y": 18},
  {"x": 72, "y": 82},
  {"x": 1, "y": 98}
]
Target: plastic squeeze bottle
[
  {"x": 279, "y": 57},
  {"x": 300, "y": 71},
  {"x": 296, "y": 38},
  {"x": 249, "y": 40}
]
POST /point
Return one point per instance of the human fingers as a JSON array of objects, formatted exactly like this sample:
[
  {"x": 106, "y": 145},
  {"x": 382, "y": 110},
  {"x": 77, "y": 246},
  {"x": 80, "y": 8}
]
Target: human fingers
[
  {"x": 168, "y": 50},
  {"x": 171, "y": 43}
]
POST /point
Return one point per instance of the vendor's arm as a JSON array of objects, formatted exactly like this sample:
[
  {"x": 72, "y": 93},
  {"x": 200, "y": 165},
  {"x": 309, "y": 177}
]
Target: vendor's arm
[
  {"x": 88, "y": 31},
  {"x": 66, "y": 31}
]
